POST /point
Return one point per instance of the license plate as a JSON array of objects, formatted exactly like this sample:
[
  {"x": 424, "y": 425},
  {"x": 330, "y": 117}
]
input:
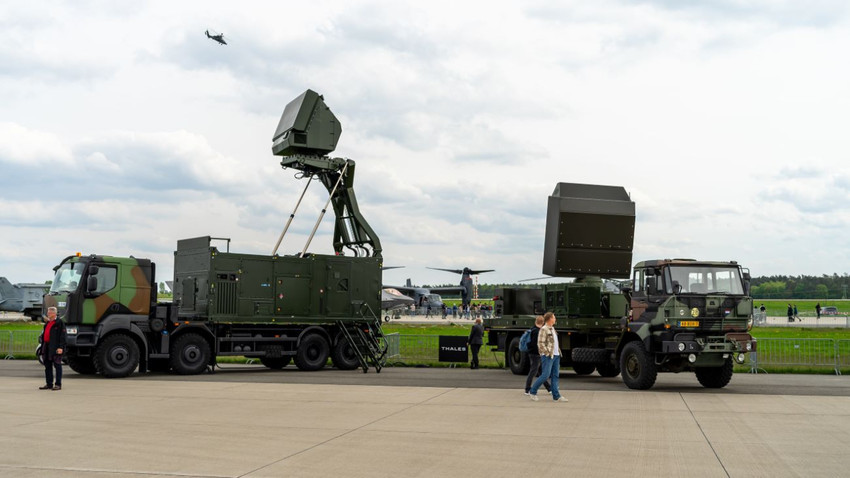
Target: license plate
[
  {"x": 71, "y": 330},
  {"x": 689, "y": 323}
]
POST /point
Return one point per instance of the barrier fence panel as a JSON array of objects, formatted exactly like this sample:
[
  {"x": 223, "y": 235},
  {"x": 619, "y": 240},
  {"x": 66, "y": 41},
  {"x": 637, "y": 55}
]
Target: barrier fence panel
[
  {"x": 842, "y": 354},
  {"x": 797, "y": 352},
  {"x": 20, "y": 342},
  {"x": 5, "y": 344},
  {"x": 393, "y": 343}
]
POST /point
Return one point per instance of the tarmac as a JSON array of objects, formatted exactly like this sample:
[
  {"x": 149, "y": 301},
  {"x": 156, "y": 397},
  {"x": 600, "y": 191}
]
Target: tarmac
[{"x": 250, "y": 422}]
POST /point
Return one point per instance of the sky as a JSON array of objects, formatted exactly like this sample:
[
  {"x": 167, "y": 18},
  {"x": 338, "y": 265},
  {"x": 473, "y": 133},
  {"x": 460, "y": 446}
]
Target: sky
[{"x": 123, "y": 128}]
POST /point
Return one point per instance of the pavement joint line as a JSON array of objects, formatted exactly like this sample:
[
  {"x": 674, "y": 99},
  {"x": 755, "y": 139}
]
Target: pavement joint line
[
  {"x": 347, "y": 433},
  {"x": 111, "y": 472},
  {"x": 704, "y": 435}
]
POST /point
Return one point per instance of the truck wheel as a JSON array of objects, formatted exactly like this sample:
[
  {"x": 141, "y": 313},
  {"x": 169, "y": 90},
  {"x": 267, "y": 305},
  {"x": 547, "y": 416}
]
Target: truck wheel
[
  {"x": 82, "y": 365},
  {"x": 517, "y": 361},
  {"x": 190, "y": 354},
  {"x": 583, "y": 368},
  {"x": 117, "y": 356},
  {"x": 312, "y": 353},
  {"x": 637, "y": 367},
  {"x": 344, "y": 356},
  {"x": 715, "y": 377},
  {"x": 590, "y": 355},
  {"x": 608, "y": 370}
]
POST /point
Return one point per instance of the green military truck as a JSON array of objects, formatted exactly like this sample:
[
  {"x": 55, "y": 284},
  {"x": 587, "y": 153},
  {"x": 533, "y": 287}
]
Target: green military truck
[
  {"x": 675, "y": 315},
  {"x": 306, "y": 307}
]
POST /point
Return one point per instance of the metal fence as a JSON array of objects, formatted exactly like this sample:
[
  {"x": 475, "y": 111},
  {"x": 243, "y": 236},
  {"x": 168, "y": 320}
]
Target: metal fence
[
  {"x": 18, "y": 343},
  {"x": 796, "y": 353},
  {"x": 424, "y": 349}
]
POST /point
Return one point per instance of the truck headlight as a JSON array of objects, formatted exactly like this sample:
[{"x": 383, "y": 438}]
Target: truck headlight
[
  {"x": 681, "y": 346},
  {"x": 740, "y": 358},
  {"x": 692, "y": 358},
  {"x": 749, "y": 346}
]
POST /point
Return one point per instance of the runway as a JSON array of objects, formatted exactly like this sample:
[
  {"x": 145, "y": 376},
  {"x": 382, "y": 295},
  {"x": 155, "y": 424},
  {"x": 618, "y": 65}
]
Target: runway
[{"x": 246, "y": 421}]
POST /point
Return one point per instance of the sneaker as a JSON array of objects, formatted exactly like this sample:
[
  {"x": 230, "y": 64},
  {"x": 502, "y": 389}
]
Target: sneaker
[
  {"x": 58, "y": 387},
  {"x": 534, "y": 398},
  {"x": 46, "y": 387},
  {"x": 526, "y": 392},
  {"x": 561, "y": 399},
  {"x": 549, "y": 391}
]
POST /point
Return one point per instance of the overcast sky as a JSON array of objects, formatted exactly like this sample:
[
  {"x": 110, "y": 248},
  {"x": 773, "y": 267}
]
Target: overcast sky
[{"x": 123, "y": 128}]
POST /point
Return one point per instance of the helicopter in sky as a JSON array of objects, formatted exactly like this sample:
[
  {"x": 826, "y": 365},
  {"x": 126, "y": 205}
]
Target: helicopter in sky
[{"x": 219, "y": 37}]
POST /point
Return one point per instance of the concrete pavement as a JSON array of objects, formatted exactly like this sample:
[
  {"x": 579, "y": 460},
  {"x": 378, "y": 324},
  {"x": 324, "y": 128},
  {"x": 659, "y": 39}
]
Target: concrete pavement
[{"x": 167, "y": 428}]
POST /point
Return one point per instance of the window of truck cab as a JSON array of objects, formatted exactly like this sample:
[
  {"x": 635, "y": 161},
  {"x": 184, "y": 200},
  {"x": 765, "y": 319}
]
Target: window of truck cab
[
  {"x": 708, "y": 279},
  {"x": 106, "y": 279},
  {"x": 67, "y": 277}
]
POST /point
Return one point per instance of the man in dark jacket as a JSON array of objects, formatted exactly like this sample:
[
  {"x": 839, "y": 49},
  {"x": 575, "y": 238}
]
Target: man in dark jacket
[
  {"x": 534, "y": 356},
  {"x": 475, "y": 341},
  {"x": 52, "y": 348}
]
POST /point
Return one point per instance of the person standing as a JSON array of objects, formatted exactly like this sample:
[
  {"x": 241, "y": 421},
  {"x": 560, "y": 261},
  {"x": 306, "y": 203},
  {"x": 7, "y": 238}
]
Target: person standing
[
  {"x": 790, "y": 313},
  {"x": 475, "y": 341},
  {"x": 817, "y": 309},
  {"x": 52, "y": 348},
  {"x": 550, "y": 358},
  {"x": 534, "y": 356},
  {"x": 796, "y": 314}
]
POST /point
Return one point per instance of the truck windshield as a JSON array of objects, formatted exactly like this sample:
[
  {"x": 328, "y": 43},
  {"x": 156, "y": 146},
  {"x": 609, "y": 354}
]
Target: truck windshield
[
  {"x": 707, "y": 279},
  {"x": 67, "y": 277}
]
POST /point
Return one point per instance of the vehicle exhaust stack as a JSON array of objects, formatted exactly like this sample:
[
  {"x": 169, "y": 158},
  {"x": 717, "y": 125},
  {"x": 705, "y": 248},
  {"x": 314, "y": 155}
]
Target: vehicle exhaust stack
[{"x": 589, "y": 232}]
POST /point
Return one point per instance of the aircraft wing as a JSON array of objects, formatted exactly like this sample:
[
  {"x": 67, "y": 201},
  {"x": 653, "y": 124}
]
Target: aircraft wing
[
  {"x": 404, "y": 290},
  {"x": 392, "y": 299},
  {"x": 447, "y": 290},
  {"x": 460, "y": 271}
]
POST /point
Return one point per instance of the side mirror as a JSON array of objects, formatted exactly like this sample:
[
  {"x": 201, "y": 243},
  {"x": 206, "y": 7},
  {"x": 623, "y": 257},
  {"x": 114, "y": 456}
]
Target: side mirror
[
  {"x": 91, "y": 285},
  {"x": 93, "y": 270}
]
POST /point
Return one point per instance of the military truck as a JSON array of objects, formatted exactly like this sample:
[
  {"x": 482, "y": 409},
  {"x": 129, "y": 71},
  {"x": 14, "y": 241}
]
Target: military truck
[
  {"x": 674, "y": 315},
  {"x": 274, "y": 308}
]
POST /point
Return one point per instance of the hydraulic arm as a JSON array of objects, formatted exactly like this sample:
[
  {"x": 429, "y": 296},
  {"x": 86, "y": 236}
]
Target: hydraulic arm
[{"x": 308, "y": 131}]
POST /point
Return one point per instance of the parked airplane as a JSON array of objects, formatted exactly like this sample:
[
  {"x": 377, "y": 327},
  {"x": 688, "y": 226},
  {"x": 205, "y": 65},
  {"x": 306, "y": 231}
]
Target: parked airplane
[
  {"x": 24, "y": 298},
  {"x": 465, "y": 281}
]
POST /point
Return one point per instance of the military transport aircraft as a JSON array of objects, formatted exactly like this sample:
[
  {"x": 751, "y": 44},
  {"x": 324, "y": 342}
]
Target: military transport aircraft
[
  {"x": 425, "y": 296},
  {"x": 219, "y": 37}
]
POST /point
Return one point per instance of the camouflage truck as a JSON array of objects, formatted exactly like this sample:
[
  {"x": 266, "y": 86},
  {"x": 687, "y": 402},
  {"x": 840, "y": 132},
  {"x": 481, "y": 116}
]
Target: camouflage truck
[
  {"x": 275, "y": 308},
  {"x": 674, "y": 315}
]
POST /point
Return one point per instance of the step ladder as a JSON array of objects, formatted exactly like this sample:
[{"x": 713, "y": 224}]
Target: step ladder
[{"x": 367, "y": 340}]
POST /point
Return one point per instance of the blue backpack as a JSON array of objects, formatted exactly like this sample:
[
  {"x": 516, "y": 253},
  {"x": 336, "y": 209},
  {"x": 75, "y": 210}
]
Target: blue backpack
[{"x": 525, "y": 340}]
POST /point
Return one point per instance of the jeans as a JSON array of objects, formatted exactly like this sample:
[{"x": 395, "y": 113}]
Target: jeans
[
  {"x": 550, "y": 367},
  {"x": 534, "y": 371},
  {"x": 49, "y": 365}
]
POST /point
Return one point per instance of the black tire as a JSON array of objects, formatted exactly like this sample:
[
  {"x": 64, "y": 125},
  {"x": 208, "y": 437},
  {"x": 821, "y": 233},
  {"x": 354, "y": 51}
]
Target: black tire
[
  {"x": 590, "y": 355},
  {"x": 276, "y": 363},
  {"x": 38, "y": 354},
  {"x": 583, "y": 368},
  {"x": 516, "y": 360},
  {"x": 715, "y": 377},
  {"x": 608, "y": 369},
  {"x": 82, "y": 365},
  {"x": 190, "y": 354},
  {"x": 344, "y": 356},
  {"x": 637, "y": 367},
  {"x": 312, "y": 353},
  {"x": 159, "y": 365},
  {"x": 116, "y": 356}
]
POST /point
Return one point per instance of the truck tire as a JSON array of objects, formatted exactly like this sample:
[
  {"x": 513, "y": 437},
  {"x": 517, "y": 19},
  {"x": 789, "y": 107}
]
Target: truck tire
[
  {"x": 608, "y": 369},
  {"x": 715, "y": 377},
  {"x": 117, "y": 356},
  {"x": 82, "y": 365},
  {"x": 516, "y": 360},
  {"x": 312, "y": 353},
  {"x": 583, "y": 368},
  {"x": 344, "y": 356},
  {"x": 590, "y": 355},
  {"x": 190, "y": 354},
  {"x": 637, "y": 367}
]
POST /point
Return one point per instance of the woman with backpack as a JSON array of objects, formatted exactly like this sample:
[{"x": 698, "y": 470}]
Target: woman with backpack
[{"x": 534, "y": 355}]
